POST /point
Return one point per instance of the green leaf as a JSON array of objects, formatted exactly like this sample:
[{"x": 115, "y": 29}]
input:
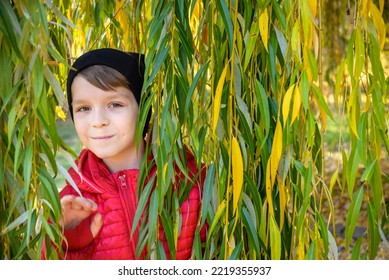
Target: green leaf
[
  {"x": 167, "y": 224},
  {"x": 207, "y": 193},
  {"x": 311, "y": 251},
  {"x": 252, "y": 38},
  {"x": 27, "y": 168},
  {"x": 194, "y": 84},
  {"x": 235, "y": 255},
  {"x": 257, "y": 203},
  {"x": 144, "y": 198},
  {"x": 368, "y": 173},
  {"x": 153, "y": 217},
  {"x": 275, "y": 240},
  {"x": 226, "y": 17},
  {"x": 356, "y": 252},
  {"x": 359, "y": 52},
  {"x": 263, "y": 104},
  {"x": 305, "y": 90},
  {"x": 352, "y": 167},
  {"x": 352, "y": 215},
  {"x": 312, "y": 64},
  {"x": 220, "y": 211},
  {"x": 12, "y": 27},
  {"x": 55, "y": 85},
  {"x": 251, "y": 231},
  {"x": 321, "y": 102},
  {"x": 373, "y": 231},
  {"x": 158, "y": 62},
  {"x": 17, "y": 222},
  {"x": 324, "y": 235}
]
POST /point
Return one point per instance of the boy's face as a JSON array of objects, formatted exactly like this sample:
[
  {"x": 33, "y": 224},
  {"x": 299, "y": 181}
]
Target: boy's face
[{"x": 105, "y": 121}]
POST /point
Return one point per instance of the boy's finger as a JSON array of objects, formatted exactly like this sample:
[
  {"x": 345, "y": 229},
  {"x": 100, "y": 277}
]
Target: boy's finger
[
  {"x": 86, "y": 204},
  {"x": 96, "y": 224},
  {"x": 67, "y": 199}
]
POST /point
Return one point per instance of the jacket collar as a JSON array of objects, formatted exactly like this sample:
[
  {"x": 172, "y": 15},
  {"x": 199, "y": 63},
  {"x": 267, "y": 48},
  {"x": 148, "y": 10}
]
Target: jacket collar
[{"x": 94, "y": 175}]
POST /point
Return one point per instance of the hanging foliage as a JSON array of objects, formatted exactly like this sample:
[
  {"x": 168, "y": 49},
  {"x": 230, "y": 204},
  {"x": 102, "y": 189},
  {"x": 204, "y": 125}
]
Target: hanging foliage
[{"x": 240, "y": 84}]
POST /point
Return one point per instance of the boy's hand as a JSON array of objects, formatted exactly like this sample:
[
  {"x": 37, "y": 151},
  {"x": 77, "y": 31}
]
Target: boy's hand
[{"x": 75, "y": 209}]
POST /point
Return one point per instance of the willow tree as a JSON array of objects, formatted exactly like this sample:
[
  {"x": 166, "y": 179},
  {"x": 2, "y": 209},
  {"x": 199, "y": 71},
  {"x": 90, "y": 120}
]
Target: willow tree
[
  {"x": 38, "y": 41},
  {"x": 239, "y": 83}
]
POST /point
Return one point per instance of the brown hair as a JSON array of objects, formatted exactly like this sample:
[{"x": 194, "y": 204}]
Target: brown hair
[{"x": 104, "y": 77}]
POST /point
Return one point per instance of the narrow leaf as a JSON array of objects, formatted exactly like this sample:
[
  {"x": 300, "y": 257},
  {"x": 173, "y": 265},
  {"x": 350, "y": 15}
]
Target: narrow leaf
[
  {"x": 218, "y": 96},
  {"x": 237, "y": 172},
  {"x": 264, "y": 28},
  {"x": 272, "y": 165},
  {"x": 286, "y": 102},
  {"x": 275, "y": 240},
  {"x": 352, "y": 215},
  {"x": 207, "y": 193}
]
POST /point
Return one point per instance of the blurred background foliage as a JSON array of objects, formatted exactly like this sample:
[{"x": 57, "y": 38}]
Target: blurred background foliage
[{"x": 285, "y": 102}]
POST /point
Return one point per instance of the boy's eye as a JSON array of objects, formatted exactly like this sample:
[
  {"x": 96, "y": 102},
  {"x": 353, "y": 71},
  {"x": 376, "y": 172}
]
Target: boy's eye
[
  {"x": 82, "y": 109},
  {"x": 115, "y": 105}
]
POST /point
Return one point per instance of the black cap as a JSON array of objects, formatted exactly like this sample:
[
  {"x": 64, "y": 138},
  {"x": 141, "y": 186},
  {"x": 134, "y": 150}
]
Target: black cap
[{"x": 129, "y": 64}]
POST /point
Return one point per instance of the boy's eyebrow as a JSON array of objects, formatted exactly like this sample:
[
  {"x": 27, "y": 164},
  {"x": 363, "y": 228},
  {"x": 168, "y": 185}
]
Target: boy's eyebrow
[
  {"x": 109, "y": 97},
  {"x": 76, "y": 101}
]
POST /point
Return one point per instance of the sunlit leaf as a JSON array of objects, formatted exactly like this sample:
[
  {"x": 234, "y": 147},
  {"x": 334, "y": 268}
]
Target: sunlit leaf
[
  {"x": 272, "y": 165},
  {"x": 217, "y": 100},
  {"x": 237, "y": 172},
  {"x": 286, "y": 102},
  {"x": 264, "y": 28}
]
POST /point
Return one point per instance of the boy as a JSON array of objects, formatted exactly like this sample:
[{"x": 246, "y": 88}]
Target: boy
[{"x": 104, "y": 93}]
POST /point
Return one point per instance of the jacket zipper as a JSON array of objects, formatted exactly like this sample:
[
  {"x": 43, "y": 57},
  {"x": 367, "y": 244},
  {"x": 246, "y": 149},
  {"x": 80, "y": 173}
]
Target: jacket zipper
[
  {"x": 124, "y": 194},
  {"x": 123, "y": 181}
]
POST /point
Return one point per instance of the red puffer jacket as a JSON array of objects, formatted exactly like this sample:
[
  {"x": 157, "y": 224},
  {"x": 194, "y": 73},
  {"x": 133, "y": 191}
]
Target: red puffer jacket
[{"x": 115, "y": 195}]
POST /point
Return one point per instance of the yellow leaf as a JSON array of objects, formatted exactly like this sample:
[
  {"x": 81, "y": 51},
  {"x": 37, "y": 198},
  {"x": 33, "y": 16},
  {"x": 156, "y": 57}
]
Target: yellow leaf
[
  {"x": 264, "y": 28},
  {"x": 295, "y": 42},
  {"x": 196, "y": 11},
  {"x": 219, "y": 212},
  {"x": 313, "y": 7},
  {"x": 300, "y": 251},
  {"x": 381, "y": 5},
  {"x": 272, "y": 165},
  {"x": 281, "y": 186},
  {"x": 323, "y": 116},
  {"x": 218, "y": 96},
  {"x": 307, "y": 24},
  {"x": 276, "y": 151},
  {"x": 196, "y": 17},
  {"x": 231, "y": 245},
  {"x": 353, "y": 112},
  {"x": 352, "y": 119},
  {"x": 334, "y": 179},
  {"x": 286, "y": 103},
  {"x": 269, "y": 189},
  {"x": 237, "y": 172},
  {"x": 296, "y": 104},
  {"x": 307, "y": 66},
  {"x": 366, "y": 7},
  {"x": 60, "y": 113},
  {"x": 379, "y": 25}
]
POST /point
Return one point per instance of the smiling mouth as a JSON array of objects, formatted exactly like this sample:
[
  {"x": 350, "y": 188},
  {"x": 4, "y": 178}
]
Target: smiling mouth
[{"x": 102, "y": 137}]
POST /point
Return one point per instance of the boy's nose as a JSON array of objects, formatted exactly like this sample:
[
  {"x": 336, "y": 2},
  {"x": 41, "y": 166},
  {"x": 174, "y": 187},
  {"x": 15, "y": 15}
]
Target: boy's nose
[{"x": 99, "y": 118}]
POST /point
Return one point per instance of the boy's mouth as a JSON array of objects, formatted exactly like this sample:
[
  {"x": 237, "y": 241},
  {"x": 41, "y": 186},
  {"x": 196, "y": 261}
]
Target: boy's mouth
[{"x": 102, "y": 137}]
